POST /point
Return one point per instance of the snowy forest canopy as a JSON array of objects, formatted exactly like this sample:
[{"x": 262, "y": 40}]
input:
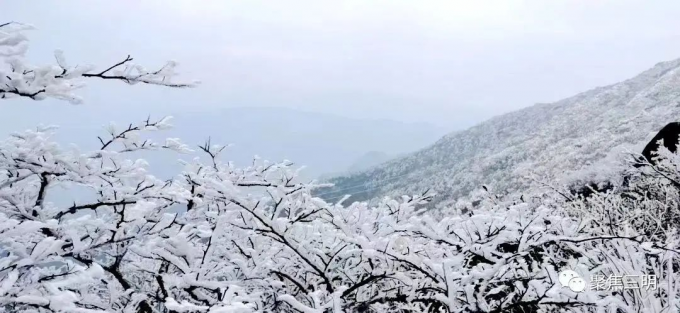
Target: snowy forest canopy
[{"x": 221, "y": 238}]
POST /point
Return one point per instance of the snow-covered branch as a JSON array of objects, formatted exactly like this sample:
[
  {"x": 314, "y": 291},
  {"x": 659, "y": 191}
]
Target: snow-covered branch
[
  {"x": 220, "y": 238},
  {"x": 20, "y": 78}
]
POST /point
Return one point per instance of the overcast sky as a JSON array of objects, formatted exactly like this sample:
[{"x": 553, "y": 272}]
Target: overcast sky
[{"x": 449, "y": 63}]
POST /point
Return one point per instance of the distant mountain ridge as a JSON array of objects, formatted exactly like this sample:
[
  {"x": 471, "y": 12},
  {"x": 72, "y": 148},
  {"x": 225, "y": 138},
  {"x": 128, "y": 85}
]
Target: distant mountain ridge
[
  {"x": 368, "y": 160},
  {"x": 558, "y": 142},
  {"x": 324, "y": 143}
]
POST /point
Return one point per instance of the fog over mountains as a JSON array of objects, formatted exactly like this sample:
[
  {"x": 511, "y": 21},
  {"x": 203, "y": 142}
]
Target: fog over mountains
[
  {"x": 572, "y": 139},
  {"x": 323, "y": 143}
]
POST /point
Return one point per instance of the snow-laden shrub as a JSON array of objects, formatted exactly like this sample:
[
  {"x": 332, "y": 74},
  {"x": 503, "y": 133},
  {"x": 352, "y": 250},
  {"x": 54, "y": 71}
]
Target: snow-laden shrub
[{"x": 220, "y": 238}]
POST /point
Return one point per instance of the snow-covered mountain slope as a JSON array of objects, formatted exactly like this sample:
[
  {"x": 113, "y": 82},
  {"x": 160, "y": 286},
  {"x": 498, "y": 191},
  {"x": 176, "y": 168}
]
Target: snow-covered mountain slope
[{"x": 551, "y": 141}]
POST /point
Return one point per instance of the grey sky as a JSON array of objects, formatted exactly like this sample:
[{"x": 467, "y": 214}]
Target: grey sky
[{"x": 450, "y": 63}]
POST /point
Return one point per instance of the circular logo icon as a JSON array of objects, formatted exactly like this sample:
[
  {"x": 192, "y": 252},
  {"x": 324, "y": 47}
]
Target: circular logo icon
[
  {"x": 572, "y": 280},
  {"x": 577, "y": 284}
]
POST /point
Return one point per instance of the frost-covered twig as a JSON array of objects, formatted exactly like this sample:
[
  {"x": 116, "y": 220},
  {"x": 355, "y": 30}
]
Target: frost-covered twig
[{"x": 20, "y": 78}]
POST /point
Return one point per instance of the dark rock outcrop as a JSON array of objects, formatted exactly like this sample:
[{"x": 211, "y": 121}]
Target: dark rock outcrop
[{"x": 670, "y": 134}]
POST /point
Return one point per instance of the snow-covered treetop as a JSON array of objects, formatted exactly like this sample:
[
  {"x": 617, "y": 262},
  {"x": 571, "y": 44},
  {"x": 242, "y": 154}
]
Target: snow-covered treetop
[
  {"x": 20, "y": 78},
  {"x": 220, "y": 238}
]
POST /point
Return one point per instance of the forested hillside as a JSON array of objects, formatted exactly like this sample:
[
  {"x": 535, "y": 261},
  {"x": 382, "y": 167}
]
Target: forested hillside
[{"x": 559, "y": 142}]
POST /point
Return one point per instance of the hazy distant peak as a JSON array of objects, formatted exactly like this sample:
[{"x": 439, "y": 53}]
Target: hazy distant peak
[{"x": 368, "y": 160}]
